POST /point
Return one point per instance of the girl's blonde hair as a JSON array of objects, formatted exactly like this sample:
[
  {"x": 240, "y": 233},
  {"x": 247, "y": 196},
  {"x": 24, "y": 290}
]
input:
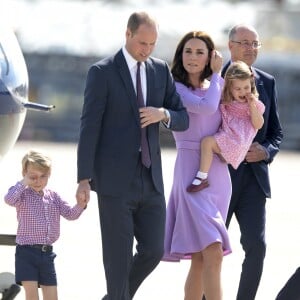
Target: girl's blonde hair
[
  {"x": 237, "y": 70},
  {"x": 37, "y": 160}
]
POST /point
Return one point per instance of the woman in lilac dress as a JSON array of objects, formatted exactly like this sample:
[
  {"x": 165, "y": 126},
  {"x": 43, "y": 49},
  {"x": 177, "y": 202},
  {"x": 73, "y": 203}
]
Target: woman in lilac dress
[{"x": 195, "y": 227}]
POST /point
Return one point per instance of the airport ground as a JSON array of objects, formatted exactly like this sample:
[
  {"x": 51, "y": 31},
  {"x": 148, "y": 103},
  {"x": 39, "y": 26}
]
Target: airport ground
[{"x": 79, "y": 263}]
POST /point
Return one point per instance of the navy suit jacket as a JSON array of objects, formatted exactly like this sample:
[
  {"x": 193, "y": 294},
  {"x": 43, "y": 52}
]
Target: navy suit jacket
[
  {"x": 109, "y": 143},
  {"x": 270, "y": 135}
]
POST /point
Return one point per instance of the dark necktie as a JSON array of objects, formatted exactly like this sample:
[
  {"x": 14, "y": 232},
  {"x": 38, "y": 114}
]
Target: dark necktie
[{"x": 146, "y": 160}]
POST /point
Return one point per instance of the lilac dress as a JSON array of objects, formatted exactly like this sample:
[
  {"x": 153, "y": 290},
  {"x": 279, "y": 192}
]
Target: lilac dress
[{"x": 196, "y": 220}]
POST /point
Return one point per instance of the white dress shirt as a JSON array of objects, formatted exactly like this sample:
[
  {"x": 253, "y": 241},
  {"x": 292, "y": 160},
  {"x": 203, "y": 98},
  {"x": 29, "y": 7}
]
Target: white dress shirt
[{"x": 132, "y": 65}]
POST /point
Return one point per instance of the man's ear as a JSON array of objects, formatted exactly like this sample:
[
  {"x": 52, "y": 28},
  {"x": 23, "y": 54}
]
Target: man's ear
[{"x": 128, "y": 33}]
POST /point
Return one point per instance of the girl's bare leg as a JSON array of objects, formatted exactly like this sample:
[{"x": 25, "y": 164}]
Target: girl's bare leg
[
  {"x": 31, "y": 290},
  {"x": 209, "y": 146}
]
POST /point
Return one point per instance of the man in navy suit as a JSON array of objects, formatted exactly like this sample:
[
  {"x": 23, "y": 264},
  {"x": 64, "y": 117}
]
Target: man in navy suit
[
  {"x": 291, "y": 289},
  {"x": 130, "y": 192},
  {"x": 250, "y": 182}
]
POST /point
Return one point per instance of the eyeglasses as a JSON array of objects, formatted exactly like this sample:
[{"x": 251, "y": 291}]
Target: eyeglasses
[{"x": 246, "y": 44}]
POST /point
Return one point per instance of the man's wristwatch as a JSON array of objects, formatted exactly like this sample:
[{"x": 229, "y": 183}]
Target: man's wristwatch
[{"x": 166, "y": 113}]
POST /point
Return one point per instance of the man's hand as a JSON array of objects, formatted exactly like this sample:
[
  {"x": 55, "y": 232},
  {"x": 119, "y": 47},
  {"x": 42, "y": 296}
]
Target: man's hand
[
  {"x": 256, "y": 153},
  {"x": 150, "y": 115},
  {"x": 83, "y": 193}
]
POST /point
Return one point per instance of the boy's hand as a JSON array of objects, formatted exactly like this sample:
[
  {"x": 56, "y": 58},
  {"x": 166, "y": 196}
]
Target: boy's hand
[
  {"x": 82, "y": 202},
  {"x": 27, "y": 181}
]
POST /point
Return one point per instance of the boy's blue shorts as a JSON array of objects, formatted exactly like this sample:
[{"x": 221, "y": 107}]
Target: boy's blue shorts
[{"x": 33, "y": 264}]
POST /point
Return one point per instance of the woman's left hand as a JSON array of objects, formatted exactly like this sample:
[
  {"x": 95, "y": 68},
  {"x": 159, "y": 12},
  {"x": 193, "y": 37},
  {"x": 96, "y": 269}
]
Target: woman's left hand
[{"x": 216, "y": 61}]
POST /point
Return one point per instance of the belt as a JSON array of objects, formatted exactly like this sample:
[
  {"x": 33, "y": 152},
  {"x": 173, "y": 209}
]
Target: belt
[{"x": 43, "y": 248}]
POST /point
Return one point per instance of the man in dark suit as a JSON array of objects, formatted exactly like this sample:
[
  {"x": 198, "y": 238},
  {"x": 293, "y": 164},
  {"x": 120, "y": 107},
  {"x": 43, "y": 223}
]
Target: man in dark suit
[
  {"x": 291, "y": 290},
  {"x": 111, "y": 154},
  {"x": 250, "y": 182}
]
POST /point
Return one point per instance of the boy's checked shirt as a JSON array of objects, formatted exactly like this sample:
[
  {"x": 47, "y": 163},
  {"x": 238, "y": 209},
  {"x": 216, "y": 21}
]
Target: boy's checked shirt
[{"x": 39, "y": 215}]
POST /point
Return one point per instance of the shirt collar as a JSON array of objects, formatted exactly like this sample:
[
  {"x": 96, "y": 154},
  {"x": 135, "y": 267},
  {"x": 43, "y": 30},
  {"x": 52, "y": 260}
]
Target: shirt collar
[
  {"x": 41, "y": 193},
  {"x": 131, "y": 62}
]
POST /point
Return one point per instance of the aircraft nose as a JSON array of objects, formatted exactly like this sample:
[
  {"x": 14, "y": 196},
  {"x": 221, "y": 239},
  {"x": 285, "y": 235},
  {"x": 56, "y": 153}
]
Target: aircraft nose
[{"x": 9, "y": 103}]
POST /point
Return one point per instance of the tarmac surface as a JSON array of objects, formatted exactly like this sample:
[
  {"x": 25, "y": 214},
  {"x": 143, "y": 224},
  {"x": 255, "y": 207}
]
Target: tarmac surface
[{"x": 79, "y": 258}]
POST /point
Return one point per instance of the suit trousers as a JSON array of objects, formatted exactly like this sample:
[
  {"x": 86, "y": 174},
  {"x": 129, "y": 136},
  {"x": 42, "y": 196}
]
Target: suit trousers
[
  {"x": 138, "y": 214},
  {"x": 248, "y": 204},
  {"x": 291, "y": 290}
]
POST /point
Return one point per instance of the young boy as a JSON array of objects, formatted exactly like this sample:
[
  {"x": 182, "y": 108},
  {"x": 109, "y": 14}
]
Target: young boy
[{"x": 38, "y": 213}]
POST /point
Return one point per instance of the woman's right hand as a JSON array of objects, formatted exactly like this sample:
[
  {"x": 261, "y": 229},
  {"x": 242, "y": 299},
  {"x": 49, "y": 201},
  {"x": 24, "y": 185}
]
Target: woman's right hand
[{"x": 216, "y": 61}]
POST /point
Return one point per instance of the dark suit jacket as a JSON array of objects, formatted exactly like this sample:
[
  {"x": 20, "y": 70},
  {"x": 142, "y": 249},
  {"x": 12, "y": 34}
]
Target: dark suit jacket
[
  {"x": 109, "y": 143},
  {"x": 270, "y": 135}
]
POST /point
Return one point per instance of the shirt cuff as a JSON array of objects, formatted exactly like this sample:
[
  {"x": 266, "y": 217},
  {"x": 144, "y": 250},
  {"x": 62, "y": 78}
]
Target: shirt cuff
[{"x": 267, "y": 154}]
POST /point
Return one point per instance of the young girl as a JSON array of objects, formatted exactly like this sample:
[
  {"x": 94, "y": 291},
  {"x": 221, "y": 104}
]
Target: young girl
[
  {"x": 242, "y": 116},
  {"x": 38, "y": 212}
]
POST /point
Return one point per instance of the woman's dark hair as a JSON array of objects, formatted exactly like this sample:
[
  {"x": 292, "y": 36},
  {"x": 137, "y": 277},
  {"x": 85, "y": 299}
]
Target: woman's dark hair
[{"x": 177, "y": 69}]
